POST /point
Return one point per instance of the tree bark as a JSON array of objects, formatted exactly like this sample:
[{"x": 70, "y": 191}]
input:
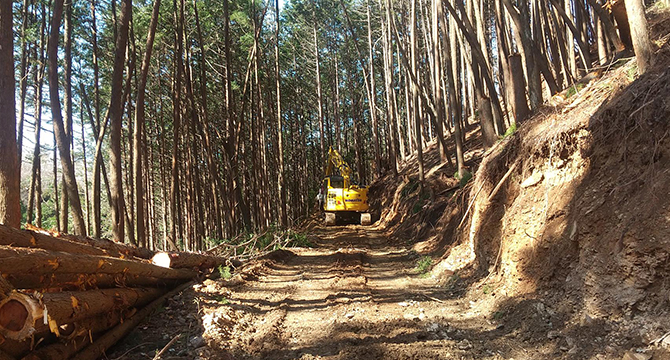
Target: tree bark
[
  {"x": 66, "y": 307},
  {"x": 639, "y": 34},
  {"x": 116, "y": 119},
  {"x": 96, "y": 349},
  {"x": 280, "y": 142},
  {"x": 139, "y": 127},
  {"x": 62, "y": 139},
  {"x": 44, "y": 262},
  {"x": 10, "y": 192}
]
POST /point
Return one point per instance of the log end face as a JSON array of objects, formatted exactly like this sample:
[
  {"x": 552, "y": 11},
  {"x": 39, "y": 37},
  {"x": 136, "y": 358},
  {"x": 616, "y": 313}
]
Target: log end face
[
  {"x": 17, "y": 316},
  {"x": 13, "y": 315},
  {"x": 162, "y": 259}
]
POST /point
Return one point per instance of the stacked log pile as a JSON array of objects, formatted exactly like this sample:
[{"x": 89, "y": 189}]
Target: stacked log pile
[{"x": 65, "y": 297}]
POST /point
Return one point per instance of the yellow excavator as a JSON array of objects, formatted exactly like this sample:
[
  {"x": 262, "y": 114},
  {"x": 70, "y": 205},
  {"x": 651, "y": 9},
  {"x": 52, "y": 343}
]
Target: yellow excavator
[{"x": 342, "y": 198}]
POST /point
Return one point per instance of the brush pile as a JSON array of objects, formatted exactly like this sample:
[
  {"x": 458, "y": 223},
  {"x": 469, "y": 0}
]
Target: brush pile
[{"x": 73, "y": 297}]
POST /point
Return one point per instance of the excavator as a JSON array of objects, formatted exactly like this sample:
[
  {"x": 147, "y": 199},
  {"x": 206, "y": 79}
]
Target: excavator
[{"x": 342, "y": 198}]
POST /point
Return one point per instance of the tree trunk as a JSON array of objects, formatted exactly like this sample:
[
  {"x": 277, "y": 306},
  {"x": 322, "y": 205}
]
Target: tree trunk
[
  {"x": 322, "y": 135},
  {"x": 639, "y": 34},
  {"x": 139, "y": 127},
  {"x": 67, "y": 103},
  {"x": 62, "y": 139},
  {"x": 522, "y": 28},
  {"x": 116, "y": 119},
  {"x": 176, "y": 114},
  {"x": 280, "y": 144},
  {"x": 415, "y": 92},
  {"x": 373, "y": 99},
  {"x": 519, "y": 104},
  {"x": 23, "y": 80},
  {"x": 97, "y": 161},
  {"x": 10, "y": 192}
]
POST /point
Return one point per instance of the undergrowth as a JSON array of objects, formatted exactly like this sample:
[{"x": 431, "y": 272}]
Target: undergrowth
[
  {"x": 574, "y": 89},
  {"x": 225, "y": 273},
  {"x": 423, "y": 265}
]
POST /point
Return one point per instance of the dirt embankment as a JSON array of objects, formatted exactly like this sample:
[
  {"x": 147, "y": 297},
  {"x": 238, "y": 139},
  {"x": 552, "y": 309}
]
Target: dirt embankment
[{"x": 572, "y": 211}]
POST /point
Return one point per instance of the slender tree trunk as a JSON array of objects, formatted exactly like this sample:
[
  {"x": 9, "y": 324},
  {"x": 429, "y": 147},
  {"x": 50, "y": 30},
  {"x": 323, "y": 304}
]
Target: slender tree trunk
[
  {"x": 437, "y": 76},
  {"x": 415, "y": 91},
  {"x": 139, "y": 126},
  {"x": 67, "y": 102},
  {"x": 525, "y": 44},
  {"x": 215, "y": 185},
  {"x": 35, "y": 194},
  {"x": 10, "y": 192},
  {"x": 116, "y": 118},
  {"x": 176, "y": 113},
  {"x": 97, "y": 160},
  {"x": 338, "y": 136},
  {"x": 450, "y": 55},
  {"x": 62, "y": 140},
  {"x": 23, "y": 80},
  {"x": 322, "y": 154},
  {"x": 280, "y": 145},
  {"x": 373, "y": 98},
  {"x": 639, "y": 34}
]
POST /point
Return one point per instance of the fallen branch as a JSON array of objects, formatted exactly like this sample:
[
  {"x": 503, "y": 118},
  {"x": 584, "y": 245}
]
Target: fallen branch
[
  {"x": 470, "y": 205},
  {"x": 99, "y": 346},
  {"x": 166, "y": 347},
  {"x": 501, "y": 182}
]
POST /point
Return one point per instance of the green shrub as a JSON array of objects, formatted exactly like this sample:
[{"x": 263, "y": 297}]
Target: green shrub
[
  {"x": 510, "y": 131},
  {"x": 424, "y": 264},
  {"x": 298, "y": 240},
  {"x": 574, "y": 89},
  {"x": 225, "y": 273},
  {"x": 409, "y": 188},
  {"x": 467, "y": 176}
]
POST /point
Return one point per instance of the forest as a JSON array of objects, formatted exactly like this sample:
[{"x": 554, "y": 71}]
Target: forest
[{"x": 179, "y": 124}]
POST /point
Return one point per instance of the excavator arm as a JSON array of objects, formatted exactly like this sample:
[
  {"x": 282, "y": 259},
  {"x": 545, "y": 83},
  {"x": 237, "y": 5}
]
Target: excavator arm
[{"x": 336, "y": 162}]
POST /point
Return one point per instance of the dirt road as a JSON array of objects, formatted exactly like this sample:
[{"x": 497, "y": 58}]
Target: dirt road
[{"x": 355, "y": 295}]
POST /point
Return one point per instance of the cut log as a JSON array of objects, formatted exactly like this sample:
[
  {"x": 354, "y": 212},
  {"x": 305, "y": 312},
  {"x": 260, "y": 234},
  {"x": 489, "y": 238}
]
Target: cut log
[
  {"x": 22, "y": 315},
  {"x": 186, "y": 260},
  {"x": 59, "y": 350},
  {"x": 111, "y": 246},
  {"x": 94, "y": 325},
  {"x": 43, "y": 239},
  {"x": 43, "y": 262},
  {"x": 4, "y": 356},
  {"x": 17, "y": 349},
  {"x": 76, "y": 336},
  {"x": 100, "y": 345},
  {"x": 18, "y": 313},
  {"x": 80, "y": 282},
  {"x": 5, "y": 287},
  {"x": 29, "y": 239}
]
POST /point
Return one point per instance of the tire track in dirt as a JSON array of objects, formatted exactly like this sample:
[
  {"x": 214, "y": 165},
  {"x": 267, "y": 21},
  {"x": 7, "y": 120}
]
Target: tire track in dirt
[{"x": 354, "y": 296}]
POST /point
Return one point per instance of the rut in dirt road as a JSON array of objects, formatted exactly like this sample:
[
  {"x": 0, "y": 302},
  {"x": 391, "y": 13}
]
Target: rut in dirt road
[{"x": 354, "y": 296}]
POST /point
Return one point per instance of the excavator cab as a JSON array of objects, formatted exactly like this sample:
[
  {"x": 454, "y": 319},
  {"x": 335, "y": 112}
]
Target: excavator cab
[{"x": 342, "y": 199}]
